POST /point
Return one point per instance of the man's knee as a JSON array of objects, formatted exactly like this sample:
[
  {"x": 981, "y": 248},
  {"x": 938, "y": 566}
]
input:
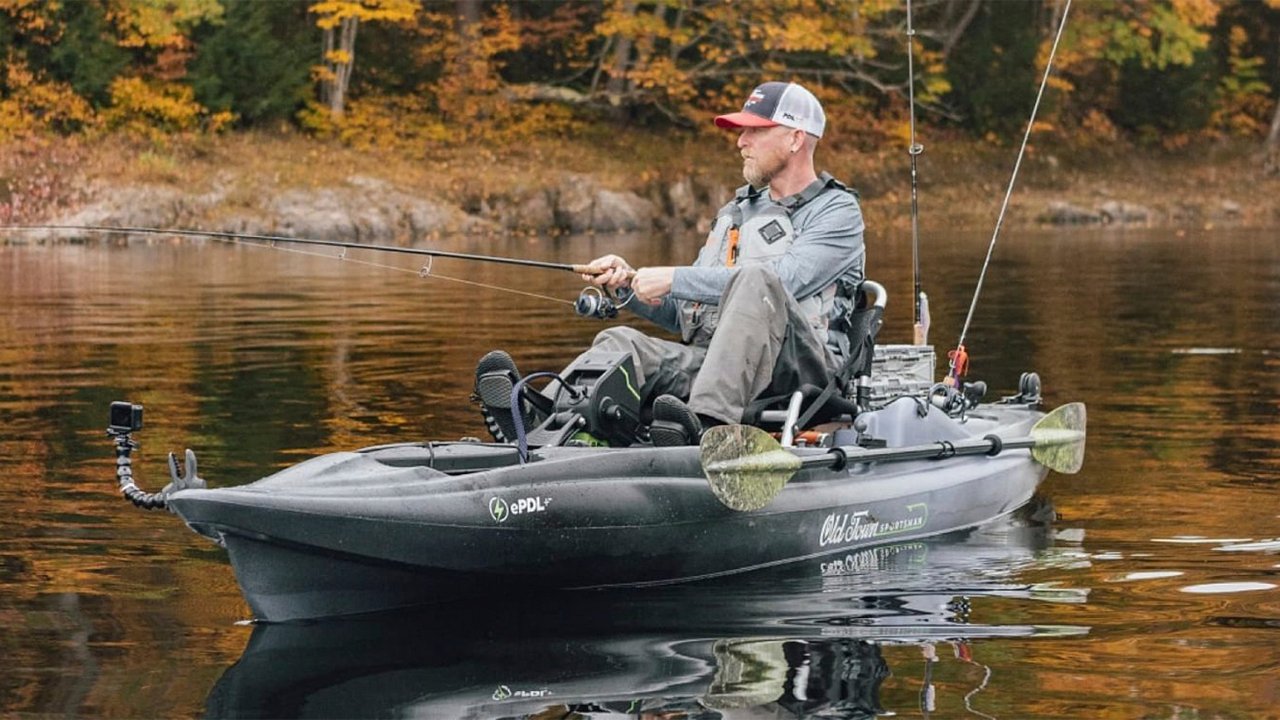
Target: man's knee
[
  {"x": 618, "y": 337},
  {"x": 754, "y": 283},
  {"x": 754, "y": 277}
]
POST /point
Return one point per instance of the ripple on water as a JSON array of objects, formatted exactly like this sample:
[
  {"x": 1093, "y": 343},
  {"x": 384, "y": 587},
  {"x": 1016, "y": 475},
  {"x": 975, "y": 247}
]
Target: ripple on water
[
  {"x": 1227, "y": 587},
  {"x": 1207, "y": 351},
  {"x": 1146, "y": 575},
  {"x": 1200, "y": 540},
  {"x": 1259, "y": 546}
]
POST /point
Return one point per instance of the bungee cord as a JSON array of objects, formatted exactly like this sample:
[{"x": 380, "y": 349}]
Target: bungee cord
[{"x": 959, "y": 358}]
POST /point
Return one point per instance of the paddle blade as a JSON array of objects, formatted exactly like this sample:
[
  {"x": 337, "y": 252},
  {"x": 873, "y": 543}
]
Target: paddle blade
[
  {"x": 745, "y": 466},
  {"x": 1059, "y": 439}
]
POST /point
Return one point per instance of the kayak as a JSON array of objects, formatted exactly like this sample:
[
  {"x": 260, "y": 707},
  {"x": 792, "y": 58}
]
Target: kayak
[
  {"x": 408, "y": 524},
  {"x": 819, "y": 637}
]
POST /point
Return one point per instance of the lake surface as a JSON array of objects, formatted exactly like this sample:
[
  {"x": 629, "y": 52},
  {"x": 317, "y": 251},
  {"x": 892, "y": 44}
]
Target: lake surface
[{"x": 1147, "y": 586}]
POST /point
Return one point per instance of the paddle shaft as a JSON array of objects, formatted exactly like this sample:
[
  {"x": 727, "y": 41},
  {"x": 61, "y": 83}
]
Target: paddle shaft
[
  {"x": 989, "y": 445},
  {"x": 220, "y": 235}
]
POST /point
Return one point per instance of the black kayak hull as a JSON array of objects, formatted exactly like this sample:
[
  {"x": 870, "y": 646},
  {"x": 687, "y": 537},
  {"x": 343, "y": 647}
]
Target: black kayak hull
[
  {"x": 385, "y": 528},
  {"x": 709, "y": 644}
]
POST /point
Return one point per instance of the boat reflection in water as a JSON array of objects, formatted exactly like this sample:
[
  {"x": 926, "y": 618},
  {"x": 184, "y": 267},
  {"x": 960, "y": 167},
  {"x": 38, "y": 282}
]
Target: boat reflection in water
[{"x": 802, "y": 640}]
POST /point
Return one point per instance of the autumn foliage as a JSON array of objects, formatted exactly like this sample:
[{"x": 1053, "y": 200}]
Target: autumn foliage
[{"x": 397, "y": 72}]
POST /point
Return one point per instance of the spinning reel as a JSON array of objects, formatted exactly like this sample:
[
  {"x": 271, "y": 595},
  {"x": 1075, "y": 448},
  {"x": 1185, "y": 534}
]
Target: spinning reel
[{"x": 601, "y": 304}]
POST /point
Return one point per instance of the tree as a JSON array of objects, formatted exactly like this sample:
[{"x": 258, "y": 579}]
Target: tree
[
  {"x": 257, "y": 63},
  {"x": 85, "y": 56},
  {"x": 1273, "y": 137},
  {"x": 993, "y": 69},
  {"x": 339, "y": 20},
  {"x": 1154, "y": 48}
]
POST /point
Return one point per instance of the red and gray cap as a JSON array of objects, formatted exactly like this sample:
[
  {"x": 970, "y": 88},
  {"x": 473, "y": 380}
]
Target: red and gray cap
[{"x": 779, "y": 103}]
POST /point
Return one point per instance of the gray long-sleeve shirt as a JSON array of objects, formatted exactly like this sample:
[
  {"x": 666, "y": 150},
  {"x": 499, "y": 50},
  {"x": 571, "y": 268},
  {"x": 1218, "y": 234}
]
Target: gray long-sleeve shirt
[{"x": 828, "y": 246}]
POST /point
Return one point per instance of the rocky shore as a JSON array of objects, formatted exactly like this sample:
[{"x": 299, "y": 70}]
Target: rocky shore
[
  {"x": 259, "y": 187},
  {"x": 376, "y": 210},
  {"x": 369, "y": 208}
]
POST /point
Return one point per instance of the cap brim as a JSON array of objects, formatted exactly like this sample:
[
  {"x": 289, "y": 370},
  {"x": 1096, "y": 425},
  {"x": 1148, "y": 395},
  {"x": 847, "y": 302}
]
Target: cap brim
[{"x": 743, "y": 119}]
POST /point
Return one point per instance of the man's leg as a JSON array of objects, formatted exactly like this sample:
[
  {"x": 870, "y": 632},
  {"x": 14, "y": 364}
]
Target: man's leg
[
  {"x": 663, "y": 367},
  {"x": 762, "y": 342}
]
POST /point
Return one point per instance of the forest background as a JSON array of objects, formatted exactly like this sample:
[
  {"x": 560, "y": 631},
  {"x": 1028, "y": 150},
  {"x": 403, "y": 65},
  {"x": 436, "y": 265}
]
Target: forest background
[{"x": 1165, "y": 107}]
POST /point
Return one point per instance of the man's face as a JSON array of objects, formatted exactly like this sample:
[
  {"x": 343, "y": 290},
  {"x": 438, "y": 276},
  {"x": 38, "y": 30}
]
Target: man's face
[{"x": 765, "y": 152}]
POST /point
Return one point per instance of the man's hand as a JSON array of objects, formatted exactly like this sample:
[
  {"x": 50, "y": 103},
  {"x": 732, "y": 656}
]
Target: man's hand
[
  {"x": 610, "y": 271},
  {"x": 651, "y": 284}
]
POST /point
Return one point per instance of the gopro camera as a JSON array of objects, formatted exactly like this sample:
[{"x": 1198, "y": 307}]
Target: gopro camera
[{"x": 126, "y": 417}]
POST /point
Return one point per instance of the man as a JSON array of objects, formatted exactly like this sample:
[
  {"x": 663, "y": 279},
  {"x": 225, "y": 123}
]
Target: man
[{"x": 782, "y": 261}]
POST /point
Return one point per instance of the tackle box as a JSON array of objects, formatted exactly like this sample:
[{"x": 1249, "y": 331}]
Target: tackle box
[{"x": 901, "y": 370}]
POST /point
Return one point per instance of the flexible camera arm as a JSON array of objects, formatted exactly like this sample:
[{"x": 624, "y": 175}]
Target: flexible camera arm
[{"x": 126, "y": 418}]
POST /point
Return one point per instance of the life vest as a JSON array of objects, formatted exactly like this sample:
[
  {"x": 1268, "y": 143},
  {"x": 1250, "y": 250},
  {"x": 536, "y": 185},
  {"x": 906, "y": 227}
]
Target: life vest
[{"x": 747, "y": 231}]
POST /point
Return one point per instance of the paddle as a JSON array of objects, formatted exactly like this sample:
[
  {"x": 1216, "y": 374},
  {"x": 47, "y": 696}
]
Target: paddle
[{"x": 747, "y": 468}]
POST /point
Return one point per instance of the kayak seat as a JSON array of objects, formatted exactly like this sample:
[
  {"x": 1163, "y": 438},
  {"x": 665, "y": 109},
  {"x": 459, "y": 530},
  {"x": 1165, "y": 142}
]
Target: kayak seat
[
  {"x": 854, "y": 334},
  {"x": 857, "y": 331}
]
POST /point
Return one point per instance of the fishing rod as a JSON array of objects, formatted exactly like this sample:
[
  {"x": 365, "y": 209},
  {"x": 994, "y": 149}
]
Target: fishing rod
[
  {"x": 920, "y": 303},
  {"x": 592, "y": 302},
  {"x": 225, "y": 235},
  {"x": 959, "y": 358}
]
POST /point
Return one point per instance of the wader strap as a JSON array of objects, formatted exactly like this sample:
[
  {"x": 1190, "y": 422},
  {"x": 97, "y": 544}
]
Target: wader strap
[{"x": 813, "y": 190}]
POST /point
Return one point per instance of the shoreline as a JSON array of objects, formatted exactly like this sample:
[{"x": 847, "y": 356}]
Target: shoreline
[{"x": 292, "y": 185}]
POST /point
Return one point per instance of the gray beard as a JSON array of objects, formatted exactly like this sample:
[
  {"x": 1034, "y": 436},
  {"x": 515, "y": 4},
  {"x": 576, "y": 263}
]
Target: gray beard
[
  {"x": 756, "y": 179},
  {"x": 758, "y": 175}
]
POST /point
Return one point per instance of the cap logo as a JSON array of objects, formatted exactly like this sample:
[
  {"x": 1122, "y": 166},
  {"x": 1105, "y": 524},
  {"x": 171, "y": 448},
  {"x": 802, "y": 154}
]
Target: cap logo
[{"x": 756, "y": 96}]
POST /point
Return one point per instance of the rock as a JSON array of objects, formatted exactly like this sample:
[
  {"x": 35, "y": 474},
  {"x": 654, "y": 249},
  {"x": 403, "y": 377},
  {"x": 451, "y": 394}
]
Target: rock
[
  {"x": 535, "y": 212},
  {"x": 1230, "y": 210},
  {"x": 1186, "y": 212},
  {"x": 1063, "y": 213},
  {"x": 366, "y": 209},
  {"x": 150, "y": 206},
  {"x": 362, "y": 209},
  {"x": 621, "y": 212},
  {"x": 526, "y": 210},
  {"x": 582, "y": 206},
  {"x": 575, "y": 200},
  {"x": 311, "y": 213},
  {"x": 689, "y": 203},
  {"x": 682, "y": 201},
  {"x": 1114, "y": 211}
]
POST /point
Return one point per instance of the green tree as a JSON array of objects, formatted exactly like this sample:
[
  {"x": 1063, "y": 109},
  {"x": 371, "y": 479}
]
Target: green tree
[
  {"x": 992, "y": 69},
  {"x": 86, "y": 55},
  {"x": 257, "y": 62},
  {"x": 1157, "y": 103}
]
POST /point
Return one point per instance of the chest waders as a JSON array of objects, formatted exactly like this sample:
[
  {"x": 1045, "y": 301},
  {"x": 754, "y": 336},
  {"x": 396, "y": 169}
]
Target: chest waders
[{"x": 752, "y": 230}]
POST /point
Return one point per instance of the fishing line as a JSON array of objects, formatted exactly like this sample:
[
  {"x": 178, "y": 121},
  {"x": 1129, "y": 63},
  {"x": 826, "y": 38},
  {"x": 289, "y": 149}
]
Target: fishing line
[
  {"x": 959, "y": 358},
  {"x": 424, "y": 272}
]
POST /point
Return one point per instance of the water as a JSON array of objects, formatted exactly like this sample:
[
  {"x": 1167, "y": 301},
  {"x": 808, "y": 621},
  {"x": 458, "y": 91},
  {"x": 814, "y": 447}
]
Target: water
[{"x": 1155, "y": 593}]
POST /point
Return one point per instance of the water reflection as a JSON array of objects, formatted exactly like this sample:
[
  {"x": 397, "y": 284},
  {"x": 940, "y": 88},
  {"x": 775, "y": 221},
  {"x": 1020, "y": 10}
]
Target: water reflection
[
  {"x": 819, "y": 638},
  {"x": 260, "y": 359}
]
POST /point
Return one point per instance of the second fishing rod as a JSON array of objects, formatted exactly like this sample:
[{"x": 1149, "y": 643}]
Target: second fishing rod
[{"x": 591, "y": 302}]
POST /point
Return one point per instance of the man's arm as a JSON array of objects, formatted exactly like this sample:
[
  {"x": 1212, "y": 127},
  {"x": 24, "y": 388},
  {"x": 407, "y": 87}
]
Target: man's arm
[{"x": 651, "y": 286}]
